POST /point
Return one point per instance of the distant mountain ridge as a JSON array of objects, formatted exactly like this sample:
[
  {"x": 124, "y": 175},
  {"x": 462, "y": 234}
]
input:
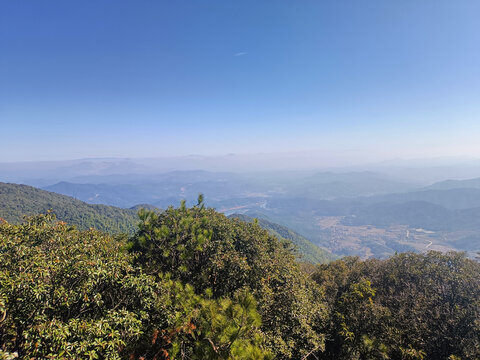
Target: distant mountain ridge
[
  {"x": 119, "y": 195},
  {"x": 451, "y": 198},
  {"x": 169, "y": 188},
  {"x": 456, "y": 184}
]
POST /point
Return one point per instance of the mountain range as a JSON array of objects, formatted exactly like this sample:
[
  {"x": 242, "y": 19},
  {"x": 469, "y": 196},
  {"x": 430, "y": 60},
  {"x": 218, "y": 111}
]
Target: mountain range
[{"x": 356, "y": 212}]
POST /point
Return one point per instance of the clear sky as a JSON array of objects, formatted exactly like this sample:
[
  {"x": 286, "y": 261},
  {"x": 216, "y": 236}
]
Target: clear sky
[{"x": 154, "y": 78}]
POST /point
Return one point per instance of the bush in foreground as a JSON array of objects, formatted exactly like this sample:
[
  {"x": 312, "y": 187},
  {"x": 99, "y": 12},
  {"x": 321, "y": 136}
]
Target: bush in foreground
[{"x": 72, "y": 294}]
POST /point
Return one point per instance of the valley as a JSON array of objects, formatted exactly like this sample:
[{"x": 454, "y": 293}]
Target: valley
[{"x": 369, "y": 241}]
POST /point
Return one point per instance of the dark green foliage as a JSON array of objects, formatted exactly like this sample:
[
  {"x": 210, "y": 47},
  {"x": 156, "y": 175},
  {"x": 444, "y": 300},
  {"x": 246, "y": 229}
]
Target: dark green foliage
[
  {"x": 304, "y": 249},
  {"x": 228, "y": 330},
  {"x": 412, "y": 306},
  {"x": 17, "y": 201},
  {"x": 69, "y": 294},
  {"x": 213, "y": 253}
]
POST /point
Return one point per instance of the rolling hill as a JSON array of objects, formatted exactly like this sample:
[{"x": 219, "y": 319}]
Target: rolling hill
[
  {"x": 455, "y": 198},
  {"x": 19, "y": 200},
  {"x": 456, "y": 184}
]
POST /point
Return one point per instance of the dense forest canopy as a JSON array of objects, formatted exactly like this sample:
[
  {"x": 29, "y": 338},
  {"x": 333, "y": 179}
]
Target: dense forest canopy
[{"x": 193, "y": 284}]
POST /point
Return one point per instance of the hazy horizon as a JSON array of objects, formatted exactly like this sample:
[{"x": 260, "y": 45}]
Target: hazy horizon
[{"x": 418, "y": 171}]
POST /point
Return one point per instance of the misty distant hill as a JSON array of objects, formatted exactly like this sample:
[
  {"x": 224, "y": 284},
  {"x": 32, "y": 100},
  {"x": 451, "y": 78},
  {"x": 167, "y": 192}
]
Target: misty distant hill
[
  {"x": 417, "y": 214},
  {"x": 451, "y": 198},
  {"x": 329, "y": 185},
  {"x": 456, "y": 184},
  {"x": 120, "y": 195},
  {"x": 167, "y": 189}
]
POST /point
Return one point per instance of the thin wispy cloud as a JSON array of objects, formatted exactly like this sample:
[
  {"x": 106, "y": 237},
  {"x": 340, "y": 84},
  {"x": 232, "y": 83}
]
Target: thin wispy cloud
[{"x": 240, "y": 54}]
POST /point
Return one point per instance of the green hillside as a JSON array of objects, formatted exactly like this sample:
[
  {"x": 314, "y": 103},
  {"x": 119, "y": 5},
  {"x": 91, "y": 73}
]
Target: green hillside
[
  {"x": 16, "y": 201},
  {"x": 307, "y": 252}
]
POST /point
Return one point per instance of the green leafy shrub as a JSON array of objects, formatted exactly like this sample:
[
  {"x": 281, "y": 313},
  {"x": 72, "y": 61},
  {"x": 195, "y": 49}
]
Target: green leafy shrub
[{"x": 411, "y": 306}]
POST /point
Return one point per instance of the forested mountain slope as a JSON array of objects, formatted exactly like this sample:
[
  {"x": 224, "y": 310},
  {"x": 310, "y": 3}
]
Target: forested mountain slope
[
  {"x": 19, "y": 200},
  {"x": 306, "y": 250}
]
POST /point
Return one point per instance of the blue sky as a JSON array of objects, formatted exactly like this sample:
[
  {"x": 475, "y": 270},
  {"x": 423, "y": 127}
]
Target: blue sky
[{"x": 377, "y": 79}]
